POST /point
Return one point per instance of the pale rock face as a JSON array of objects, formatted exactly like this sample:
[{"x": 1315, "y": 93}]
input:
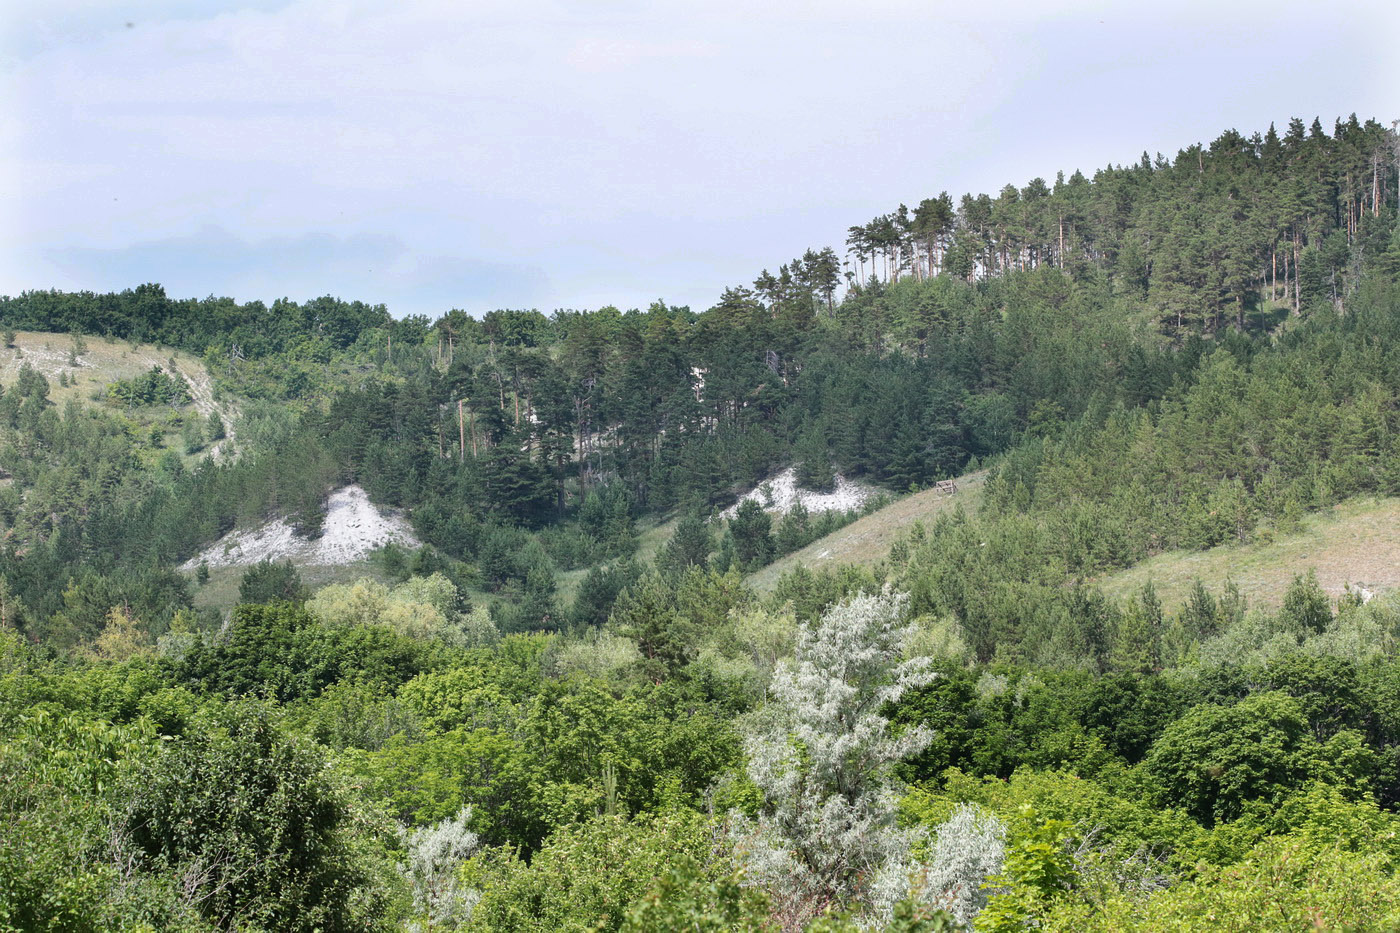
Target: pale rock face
[
  {"x": 353, "y": 528},
  {"x": 781, "y": 493}
]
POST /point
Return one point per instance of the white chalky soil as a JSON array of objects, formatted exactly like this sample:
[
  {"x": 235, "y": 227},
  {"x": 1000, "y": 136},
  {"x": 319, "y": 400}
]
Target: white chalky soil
[
  {"x": 781, "y": 493},
  {"x": 354, "y": 527}
]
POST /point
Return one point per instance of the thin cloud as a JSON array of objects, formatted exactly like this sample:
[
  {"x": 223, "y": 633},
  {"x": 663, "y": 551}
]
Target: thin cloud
[
  {"x": 628, "y": 150},
  {"x": 369, "y": 267}
]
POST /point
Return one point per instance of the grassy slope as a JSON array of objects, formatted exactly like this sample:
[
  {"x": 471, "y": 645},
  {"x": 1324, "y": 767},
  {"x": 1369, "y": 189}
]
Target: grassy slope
[
  {"x": 103, "y": 363},
  {"x": 221, "y": 592},
  {"x": 867, "y": 541},
  {"x": 652, "y": 537},
  {"x": 100, "y": 365},
  {"x": 1357, "y": 542}
]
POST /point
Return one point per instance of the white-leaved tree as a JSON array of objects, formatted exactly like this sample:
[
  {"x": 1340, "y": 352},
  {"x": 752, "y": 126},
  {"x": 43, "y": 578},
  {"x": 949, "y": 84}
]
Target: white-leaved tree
[
  {"x": 968, "y": 848},
  {"x": 821, "y": 753},
  {"x": 435, "y": 853}
]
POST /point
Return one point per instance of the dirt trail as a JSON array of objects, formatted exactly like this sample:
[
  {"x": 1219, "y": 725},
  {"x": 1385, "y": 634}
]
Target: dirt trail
[
  {"x": 202, "y": 397},
  {"x": 202, "y": 394}
]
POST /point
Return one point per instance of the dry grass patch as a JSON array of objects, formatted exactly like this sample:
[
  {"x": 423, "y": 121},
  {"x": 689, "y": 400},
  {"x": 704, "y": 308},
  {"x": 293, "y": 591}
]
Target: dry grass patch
[
  {"x": 102, "y": 363},
  {"x": 1356, "y": 543},
  {"x": 867, "y": 540}
]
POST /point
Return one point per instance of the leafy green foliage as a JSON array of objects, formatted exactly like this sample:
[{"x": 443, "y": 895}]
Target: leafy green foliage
[
  {"x": 280, "y": 652},
  {"x": 1037, "y": 871},
  {"x": 588, "y": 875},
  {"x": 271, "y": 582},
  {"x": 1171, "y": 354},
  {"x": 687, "y": 897},
  {"x": 1283, "y": 884},
  {"x": 257, "y": 830},
  {"x": 156, "y": 387},
  {"x": 59, "y": 781},
  {"x": 1215, "y": 760}
]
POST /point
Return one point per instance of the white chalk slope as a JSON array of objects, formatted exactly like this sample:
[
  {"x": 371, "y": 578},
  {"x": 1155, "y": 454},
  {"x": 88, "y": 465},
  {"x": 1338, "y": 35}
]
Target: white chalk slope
[
  {"x": 354, "y": 527},
  {"x": 781, "y": 493}
]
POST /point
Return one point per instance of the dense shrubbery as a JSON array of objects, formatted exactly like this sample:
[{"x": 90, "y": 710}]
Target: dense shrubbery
[
  {"x": 1089, "y": 792},
  {"x": 156, "y": 387},
  {"x": 1005, "y": 745}
]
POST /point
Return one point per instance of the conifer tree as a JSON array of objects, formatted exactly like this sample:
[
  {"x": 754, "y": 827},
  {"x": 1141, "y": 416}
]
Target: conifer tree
[
  {"x": 813, "y": 463},
  {"x": 689, "y": 547},
  {"x": 752, "y": 530}
]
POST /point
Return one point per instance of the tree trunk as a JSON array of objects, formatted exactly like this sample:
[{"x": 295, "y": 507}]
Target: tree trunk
[
  {"x": 1375, "y": 184},
  {"x": 1297, "y": 297},
  {"x": 1285, "y": 274}
]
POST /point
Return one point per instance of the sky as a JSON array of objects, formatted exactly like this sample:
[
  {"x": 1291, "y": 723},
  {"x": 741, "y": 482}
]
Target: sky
[{"x": 482, "y": 154}]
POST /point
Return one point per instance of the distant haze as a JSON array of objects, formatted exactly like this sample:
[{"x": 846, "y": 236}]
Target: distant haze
[{"x": 432, "y": 155}]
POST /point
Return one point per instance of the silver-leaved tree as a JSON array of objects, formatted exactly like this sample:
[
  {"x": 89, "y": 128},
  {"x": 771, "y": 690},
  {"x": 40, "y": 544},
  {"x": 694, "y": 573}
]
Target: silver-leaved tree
[
  {"x": 822, "y": 754},
  {"x": 435, "y": 854}
]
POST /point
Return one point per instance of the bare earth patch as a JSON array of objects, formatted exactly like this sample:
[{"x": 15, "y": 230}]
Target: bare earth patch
[
  {"x": 353, "y": 528},
  {"x": 781, "y": 493}
]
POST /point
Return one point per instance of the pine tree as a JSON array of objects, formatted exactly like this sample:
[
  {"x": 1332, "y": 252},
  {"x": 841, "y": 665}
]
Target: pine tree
[
  {"x": 727, "y": 556},
  {"x": 813, "y": 462},
  {"x": 1306, "y": 609},
  {"x": 751, "y": 528},
  {"x": 193, "y": 436},
  {"x": 1137, "y": 646},
  {"x": 689, "y": 547},
  {"x": 269, "y": 582},
  {"x": 795, "y": 530},
  {"x": 11, "y": 609}
]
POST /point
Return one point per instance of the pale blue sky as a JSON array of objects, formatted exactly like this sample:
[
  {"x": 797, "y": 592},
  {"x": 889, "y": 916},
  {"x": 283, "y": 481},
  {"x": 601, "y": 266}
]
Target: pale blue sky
[{"x": 515, "y": 153}]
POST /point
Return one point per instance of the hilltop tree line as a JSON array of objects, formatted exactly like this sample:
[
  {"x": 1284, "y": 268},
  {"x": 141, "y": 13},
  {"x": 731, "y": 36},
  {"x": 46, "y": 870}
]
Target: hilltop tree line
[{"x": 1208, "y": 236}]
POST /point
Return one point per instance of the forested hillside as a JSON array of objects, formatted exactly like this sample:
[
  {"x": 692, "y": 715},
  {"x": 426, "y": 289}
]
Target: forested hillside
[{"x": 537, "y": 721}]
